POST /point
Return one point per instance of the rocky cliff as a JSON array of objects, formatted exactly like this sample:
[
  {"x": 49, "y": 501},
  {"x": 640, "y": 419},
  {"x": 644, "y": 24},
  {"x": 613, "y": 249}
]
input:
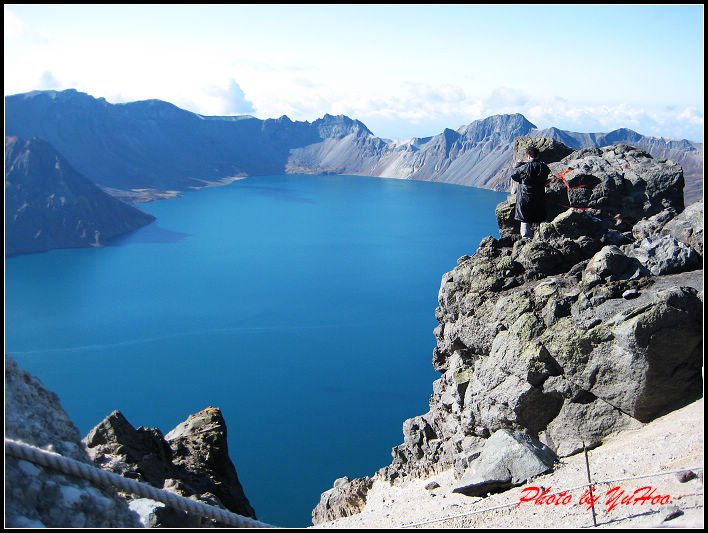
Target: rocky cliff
[
  {"x": 549, "y": 344},
  {"x": 50, "y": 205}
]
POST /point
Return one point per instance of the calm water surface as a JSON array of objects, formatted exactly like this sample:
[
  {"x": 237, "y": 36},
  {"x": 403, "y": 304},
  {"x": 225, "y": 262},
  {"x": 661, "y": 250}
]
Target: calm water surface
[{"x": 302, "y": 306}]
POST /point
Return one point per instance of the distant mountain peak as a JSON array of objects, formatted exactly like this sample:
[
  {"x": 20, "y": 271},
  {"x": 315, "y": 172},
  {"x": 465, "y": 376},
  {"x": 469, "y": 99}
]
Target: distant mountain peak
[
  {"x": 64, "y": 95},
  {"x": 506, "y": 127},
  {"x": 339, "y": 126}
]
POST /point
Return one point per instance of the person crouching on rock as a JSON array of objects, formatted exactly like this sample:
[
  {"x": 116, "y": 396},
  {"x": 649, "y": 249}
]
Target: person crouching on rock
[{"x": 531, "y": 191}]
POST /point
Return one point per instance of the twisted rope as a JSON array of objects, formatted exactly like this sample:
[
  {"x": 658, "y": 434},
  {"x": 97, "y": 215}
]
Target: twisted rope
[{"x": 89, "y": 472}]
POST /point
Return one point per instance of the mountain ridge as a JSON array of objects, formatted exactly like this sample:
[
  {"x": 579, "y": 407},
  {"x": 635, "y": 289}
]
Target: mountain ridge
[{"x": 152, "y": 144}]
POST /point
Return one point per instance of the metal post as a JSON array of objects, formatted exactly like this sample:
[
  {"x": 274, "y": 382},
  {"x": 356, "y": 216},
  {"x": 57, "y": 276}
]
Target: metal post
[{"x": 587, "y": 466}]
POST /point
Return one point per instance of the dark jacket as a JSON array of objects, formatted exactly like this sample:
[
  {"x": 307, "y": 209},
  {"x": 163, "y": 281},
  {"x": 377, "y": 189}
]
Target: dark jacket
[{"x": 531, "y": 191}]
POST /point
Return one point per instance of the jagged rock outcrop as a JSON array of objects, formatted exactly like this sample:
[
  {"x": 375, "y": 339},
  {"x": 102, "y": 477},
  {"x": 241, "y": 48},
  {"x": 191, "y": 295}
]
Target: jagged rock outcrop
[
  {"x": 592, "y": 326},
  {"x": 192, "y": 460},
  {"x": 36, "y": 496},
  {"x": 49, "y": 205}
]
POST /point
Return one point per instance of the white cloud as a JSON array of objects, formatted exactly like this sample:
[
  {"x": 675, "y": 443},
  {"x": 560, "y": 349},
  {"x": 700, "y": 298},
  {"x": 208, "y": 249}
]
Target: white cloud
[
  {"x": 506, "y": 98},
  {"x": 233, "y": 99},
  {"x": 657, "y": 121},
  {"x": 691, "y": 115},
  {"x": 420, "y": 109},
  {"x": 49, "y": 82}
]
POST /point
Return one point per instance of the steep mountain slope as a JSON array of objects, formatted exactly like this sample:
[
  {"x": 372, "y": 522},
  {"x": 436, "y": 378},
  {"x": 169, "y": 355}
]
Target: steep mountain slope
[
  {"x": 154, "y": 144},
  {"x": 50, "y": 205}
]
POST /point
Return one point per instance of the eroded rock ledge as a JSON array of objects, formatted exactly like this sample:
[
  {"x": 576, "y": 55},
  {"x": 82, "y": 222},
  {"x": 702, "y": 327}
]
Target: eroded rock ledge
[{"x": 592, "y": 326}]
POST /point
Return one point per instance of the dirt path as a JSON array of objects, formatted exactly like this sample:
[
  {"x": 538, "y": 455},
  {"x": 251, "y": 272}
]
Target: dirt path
[{"x": 673, "y": 442}]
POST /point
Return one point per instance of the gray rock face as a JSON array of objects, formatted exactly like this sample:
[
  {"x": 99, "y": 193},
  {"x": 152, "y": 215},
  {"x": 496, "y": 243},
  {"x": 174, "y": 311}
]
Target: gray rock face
[
  {"x": 687, "y": 154},
  {"x": 41, "y": 497},
  {"x": 665, "y": 255},
  {"x": 572, "y": 335},
  {"x": 687, "y": 227},
  {"x": 192, "y": 461},
  {"x": 619, "y": 181}
]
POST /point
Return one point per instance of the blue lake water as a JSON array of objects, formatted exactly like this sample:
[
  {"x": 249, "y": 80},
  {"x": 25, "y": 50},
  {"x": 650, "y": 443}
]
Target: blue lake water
[{"x": 302, "y": 306}]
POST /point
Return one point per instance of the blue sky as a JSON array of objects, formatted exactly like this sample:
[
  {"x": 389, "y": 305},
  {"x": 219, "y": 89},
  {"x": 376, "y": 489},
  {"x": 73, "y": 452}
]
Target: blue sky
[{"x": 403, "y": 70}]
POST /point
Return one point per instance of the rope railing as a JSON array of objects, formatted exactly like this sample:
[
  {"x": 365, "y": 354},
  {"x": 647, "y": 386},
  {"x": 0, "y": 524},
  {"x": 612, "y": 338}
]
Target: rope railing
[
  {"x": 516, "y": 503},
  {"x": 100, "y": 477},
  {"x": 103, "y": 478}
]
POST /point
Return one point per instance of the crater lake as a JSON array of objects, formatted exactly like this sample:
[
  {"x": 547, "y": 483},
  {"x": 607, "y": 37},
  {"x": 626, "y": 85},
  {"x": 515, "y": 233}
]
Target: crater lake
[{"x": 302, "y": 306}]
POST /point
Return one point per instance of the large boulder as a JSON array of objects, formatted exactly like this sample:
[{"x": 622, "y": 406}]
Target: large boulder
[
  {"x": 509, "y": 458},
  {"x": 549, "y": 150},
  {"x": 619, "y": 181},
  {"x": 643, "y": 358},
  {"x": 36, "y": 496},
  {"x": 687, "y": 227},
  {"x": 664, "y": 254}
]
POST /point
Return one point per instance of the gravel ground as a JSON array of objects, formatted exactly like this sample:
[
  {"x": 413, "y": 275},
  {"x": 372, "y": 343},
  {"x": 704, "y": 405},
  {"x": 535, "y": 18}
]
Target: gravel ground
[{"x": 673, "y": 442}]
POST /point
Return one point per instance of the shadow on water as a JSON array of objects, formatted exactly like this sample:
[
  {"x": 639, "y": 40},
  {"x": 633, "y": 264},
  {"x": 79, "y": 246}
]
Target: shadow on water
[
  {"x": 150, "y": 234},
  {"x": 281, "y": 193}
]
